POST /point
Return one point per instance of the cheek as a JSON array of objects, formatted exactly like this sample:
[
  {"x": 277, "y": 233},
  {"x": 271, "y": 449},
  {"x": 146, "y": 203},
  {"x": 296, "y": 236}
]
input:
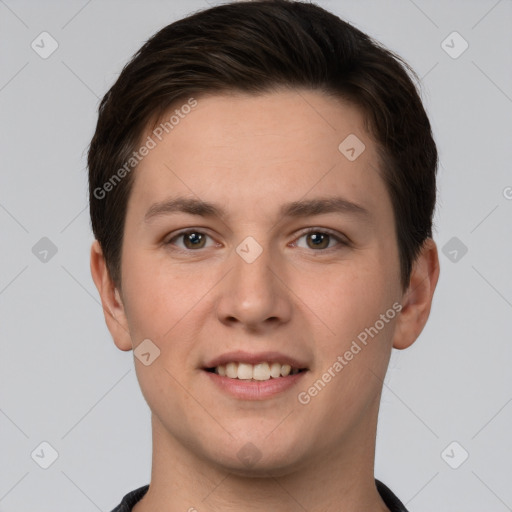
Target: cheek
[
  {"x": 352, "y": 358},
  {"x": 351, "y": 298},
  {"x": 166, "y": 303},
  {"x": 155, "y": 301},
  {"x": 353, "y": 355}
]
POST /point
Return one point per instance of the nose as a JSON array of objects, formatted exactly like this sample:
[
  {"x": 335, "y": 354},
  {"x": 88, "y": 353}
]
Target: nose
[{"x": 254, "y": 295}]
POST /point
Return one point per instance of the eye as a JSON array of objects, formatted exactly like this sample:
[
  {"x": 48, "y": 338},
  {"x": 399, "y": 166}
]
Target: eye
[
  {"x": 320, "y": 239},
  {"x": 192, "y": 239},
  {"x": 316, "y": 239}
]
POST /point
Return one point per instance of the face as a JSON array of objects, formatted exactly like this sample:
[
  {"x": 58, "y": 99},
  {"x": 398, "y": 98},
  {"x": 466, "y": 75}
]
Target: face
[{"x": 255, "y": 242}]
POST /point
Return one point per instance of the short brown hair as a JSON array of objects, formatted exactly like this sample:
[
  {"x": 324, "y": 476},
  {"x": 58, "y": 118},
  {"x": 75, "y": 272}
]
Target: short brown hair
[{"x": 256, "y": 47}]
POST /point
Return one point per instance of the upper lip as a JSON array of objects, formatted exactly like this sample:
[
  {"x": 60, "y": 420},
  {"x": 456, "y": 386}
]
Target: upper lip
[{"x": 240, "y": 356}]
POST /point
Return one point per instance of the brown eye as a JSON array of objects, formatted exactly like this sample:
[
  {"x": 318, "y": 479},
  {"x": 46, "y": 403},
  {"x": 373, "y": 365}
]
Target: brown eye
[
  {"x": 189, "y": 240},
  {"x": 318, "y": 240},
  {"x": 321, "y": 240},
  {"x": 193, "y": 240}
]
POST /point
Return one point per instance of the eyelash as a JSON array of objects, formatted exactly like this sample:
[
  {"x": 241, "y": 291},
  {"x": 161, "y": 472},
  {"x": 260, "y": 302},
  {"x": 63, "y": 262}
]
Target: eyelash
[{"x": 341, "y": 242}]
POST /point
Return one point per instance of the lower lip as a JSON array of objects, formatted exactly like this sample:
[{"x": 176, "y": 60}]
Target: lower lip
[{"x": 254, "y": 389}]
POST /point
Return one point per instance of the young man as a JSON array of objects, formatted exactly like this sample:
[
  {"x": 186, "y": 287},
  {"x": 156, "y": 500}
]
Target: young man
[{"x": 262, "y": 185}]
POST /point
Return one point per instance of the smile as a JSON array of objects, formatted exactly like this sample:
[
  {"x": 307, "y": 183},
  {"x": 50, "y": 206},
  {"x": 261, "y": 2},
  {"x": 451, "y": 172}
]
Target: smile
[{"x": 259, "y": 372}]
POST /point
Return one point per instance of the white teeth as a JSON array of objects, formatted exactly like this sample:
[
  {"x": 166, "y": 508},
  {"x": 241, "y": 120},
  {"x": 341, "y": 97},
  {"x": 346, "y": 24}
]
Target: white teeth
[
  {"x": 285, "y": 370},
  {"x": 232, "y": 370},
  {"x": 275, "y": 370},
  {"x": 244, "y": 371},
  {"x": 260, "y": 371}
]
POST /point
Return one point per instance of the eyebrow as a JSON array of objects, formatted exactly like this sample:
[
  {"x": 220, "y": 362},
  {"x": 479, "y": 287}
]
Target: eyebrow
[{"x": 295, "y": 209}]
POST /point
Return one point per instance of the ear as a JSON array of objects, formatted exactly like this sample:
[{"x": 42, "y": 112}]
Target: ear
[
  {"x": 113, "y": 307},
  {"x": 417, "y": 299}
]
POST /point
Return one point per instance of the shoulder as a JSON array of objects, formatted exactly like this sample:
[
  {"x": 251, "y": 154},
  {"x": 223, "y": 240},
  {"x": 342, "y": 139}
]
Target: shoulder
[{"x": 130, "y": 499}]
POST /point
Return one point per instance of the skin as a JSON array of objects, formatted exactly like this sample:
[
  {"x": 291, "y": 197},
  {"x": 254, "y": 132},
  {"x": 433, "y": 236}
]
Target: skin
[{"x": 252, "y": 154}]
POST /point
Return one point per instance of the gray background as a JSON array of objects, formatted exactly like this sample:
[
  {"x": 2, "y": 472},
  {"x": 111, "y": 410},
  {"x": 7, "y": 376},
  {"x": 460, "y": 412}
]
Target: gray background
[{"x": 62, "y": 379}]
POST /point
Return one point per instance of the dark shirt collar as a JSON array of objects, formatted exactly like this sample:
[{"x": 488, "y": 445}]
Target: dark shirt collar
[{"x": 133, "y": 497}]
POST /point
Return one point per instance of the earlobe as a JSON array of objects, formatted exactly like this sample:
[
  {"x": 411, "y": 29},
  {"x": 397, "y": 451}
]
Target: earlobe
[
  {"x": 417, "y": 300},
  {"x": 111, "y": 301}
]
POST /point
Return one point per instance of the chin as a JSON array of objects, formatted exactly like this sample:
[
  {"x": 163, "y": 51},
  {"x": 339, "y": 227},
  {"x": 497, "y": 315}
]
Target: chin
[
  {"x": 264, "y": 468},
  {"x": 258, "y": 458}
]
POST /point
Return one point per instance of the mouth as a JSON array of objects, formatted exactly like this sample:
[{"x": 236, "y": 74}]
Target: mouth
[
  {"x": 253, "y": 376},
  {"x": 263, "y": 371}
]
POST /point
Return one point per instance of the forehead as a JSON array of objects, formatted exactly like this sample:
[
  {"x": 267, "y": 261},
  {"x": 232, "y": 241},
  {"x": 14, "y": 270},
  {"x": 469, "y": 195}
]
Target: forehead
[
  {"x": 286, "y": 116},
  {"x": 288, "y": 143}
]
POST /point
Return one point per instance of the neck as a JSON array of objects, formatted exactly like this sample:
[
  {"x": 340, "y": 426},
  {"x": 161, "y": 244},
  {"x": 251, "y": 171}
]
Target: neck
[{"x": 341, "y": 479}]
